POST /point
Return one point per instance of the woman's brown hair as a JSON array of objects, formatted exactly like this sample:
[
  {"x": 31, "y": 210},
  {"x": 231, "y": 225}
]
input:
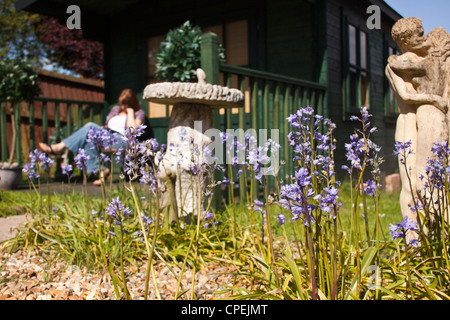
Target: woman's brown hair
[{"x": 128, "y": 98}]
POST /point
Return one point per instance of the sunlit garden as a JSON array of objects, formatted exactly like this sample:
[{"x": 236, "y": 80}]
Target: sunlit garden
[
  {"x": 311, "y": 237},
  {"x": 230, "y": 219}
]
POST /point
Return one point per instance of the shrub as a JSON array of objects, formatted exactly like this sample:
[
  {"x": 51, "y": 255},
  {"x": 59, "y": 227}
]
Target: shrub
[
  {"x": 179, "y": 54},
  {"x": 18, "y": 82}
]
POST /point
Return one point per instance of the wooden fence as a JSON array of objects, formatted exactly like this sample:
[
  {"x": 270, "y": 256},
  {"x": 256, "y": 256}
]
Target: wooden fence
[{"x": 42, "y": 120}]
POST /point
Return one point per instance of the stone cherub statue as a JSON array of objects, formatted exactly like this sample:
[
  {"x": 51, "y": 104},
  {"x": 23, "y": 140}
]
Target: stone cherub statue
[{"x": 420, "y": 80}]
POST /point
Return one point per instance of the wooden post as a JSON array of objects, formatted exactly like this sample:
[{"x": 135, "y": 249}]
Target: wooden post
[
  {"x": 58, "y": 172},
  {"x": 242, "y": 191},
  {"x": 91, "y": 112},
  {"x": 105, "y": 111},
  {"x": 44, "y": 122},
  {"x": 3, "y": 132},
  {"x": 18, "y": 134},
  {"x": 57, "y": 121},
  {"x": 80, "y": 115},
  {"x": 31, "y": 128},
  {"x": 68, "y": 119},
  {"x": 210, "y": 65},
  {"x": 210, "y": 57}
]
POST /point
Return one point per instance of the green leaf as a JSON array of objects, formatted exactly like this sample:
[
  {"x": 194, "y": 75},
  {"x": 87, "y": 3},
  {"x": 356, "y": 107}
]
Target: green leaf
[
  {"x": 365, "y": 264},
  {"x": 294, "y": 269},
  {"x": 179, "y": 55}
]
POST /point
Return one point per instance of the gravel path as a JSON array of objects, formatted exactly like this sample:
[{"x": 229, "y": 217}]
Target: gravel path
[
  {"x": 32, "y": 275},
  {"x": 28, "y": 276}
]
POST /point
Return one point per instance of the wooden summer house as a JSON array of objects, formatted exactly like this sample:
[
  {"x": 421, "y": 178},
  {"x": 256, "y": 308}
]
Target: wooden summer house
[{"x": 284, "y": 54}]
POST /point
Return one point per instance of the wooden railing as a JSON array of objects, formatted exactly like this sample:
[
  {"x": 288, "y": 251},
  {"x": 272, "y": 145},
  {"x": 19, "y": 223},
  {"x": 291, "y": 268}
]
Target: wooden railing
[
  {"x": 269, "y": 98},
  {"x": 43, "y": 118}
]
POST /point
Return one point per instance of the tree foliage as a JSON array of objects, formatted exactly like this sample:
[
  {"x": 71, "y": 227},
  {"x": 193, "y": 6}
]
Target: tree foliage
[
  {"x": 43, "y": 40},
  {"x": 70, "y": 50},
  {"x": 17, "y": 37}
]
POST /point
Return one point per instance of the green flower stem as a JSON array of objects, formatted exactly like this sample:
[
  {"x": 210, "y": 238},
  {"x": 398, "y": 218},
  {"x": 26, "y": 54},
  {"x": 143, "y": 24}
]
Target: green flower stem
[
  {"x": 150, "y": 250},
  {"x": 86, "y": 196},
  {"x": 408, "y": 271},
  {"x": 124, "y": 280},
  {"x": 111, "y": 180},
  {"x": 102, "y": 181},
  {"x": 355, "y": 210},
  {"x": 444, "y": 221},
  {"x": 310, "y": 250},
  {"x": 366, "y": 218},
  {"x": 231, "y": 188},
  {"x": 184, "y": 266},
  {"x": 335, "y": 277}
]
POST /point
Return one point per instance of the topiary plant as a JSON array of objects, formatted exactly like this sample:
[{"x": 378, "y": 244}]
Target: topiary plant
[
  {"x": 18, "y": 82},
  {"x": 178, "y": 56}
]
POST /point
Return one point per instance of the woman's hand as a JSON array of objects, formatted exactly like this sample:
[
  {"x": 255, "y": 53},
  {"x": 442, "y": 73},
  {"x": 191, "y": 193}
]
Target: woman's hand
[{"x": 131, "y": 120}]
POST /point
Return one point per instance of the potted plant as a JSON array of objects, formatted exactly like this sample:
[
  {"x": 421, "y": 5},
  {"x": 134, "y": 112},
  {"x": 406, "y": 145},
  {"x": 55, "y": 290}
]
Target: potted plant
[
  {"x": 179, "y": 55},
  {"x": 18, "y": 82}
]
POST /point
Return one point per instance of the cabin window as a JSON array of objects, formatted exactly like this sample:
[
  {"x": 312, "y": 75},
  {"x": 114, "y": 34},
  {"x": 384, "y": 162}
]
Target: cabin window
[
  {"x": 357, "y": 70},
  {"x": 233, "y": 36}
]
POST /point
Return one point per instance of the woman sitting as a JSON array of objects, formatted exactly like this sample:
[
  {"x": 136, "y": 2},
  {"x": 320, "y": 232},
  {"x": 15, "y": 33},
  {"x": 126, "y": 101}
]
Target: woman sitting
[{"x": 127, "y": 114}]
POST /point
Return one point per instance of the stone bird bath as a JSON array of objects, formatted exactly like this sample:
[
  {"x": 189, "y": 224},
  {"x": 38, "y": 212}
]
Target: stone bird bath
[{"x": 192, "y": 102}]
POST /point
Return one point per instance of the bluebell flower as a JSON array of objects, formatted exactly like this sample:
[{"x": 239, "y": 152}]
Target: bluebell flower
[
  {"x": 403, "y": 148},
  {"x": 303, "y": 177},
  {"x": 414, "y": 243},
  {"x": 208, "y": 217},
  {"x": 139, "y": 157},
  {"x": 117, "y": 212},
  {"x": 99, "y": 138},
  {"x": 30, "y": 170},
  {"x": 148, "y": 221},
  {"x": 66, "y": 169},
  {"x": 313, "y": 145},
  {"x": 45, "y": 161},
  {"x": 370, "y": 188},
  {"x": 400, "y": 230},
  {"x": 281, "y": 219},
  {"x": 259, "y": 206},
  {"x": 38, "y": 160},
  {"x": 361, "y": 150},
  {"x": 328, "y": 201},
  {"x": 81, "y": 159}
]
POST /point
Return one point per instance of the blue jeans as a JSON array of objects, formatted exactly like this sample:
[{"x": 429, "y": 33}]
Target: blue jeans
[{"x": 78, "y": 140}]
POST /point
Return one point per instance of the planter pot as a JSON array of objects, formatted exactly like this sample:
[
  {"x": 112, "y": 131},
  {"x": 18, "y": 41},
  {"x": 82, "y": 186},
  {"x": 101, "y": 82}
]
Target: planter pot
[{"x": 10, "y": 178}]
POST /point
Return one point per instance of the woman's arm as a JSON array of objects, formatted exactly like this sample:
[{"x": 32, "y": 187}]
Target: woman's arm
[
  {"x": 132, "y": 121},
  {"x": 399, "y": 87}
]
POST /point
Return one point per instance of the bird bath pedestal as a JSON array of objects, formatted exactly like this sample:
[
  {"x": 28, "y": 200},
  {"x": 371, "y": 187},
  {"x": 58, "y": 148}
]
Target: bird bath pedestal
[{"x": 191, "y": 116}]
